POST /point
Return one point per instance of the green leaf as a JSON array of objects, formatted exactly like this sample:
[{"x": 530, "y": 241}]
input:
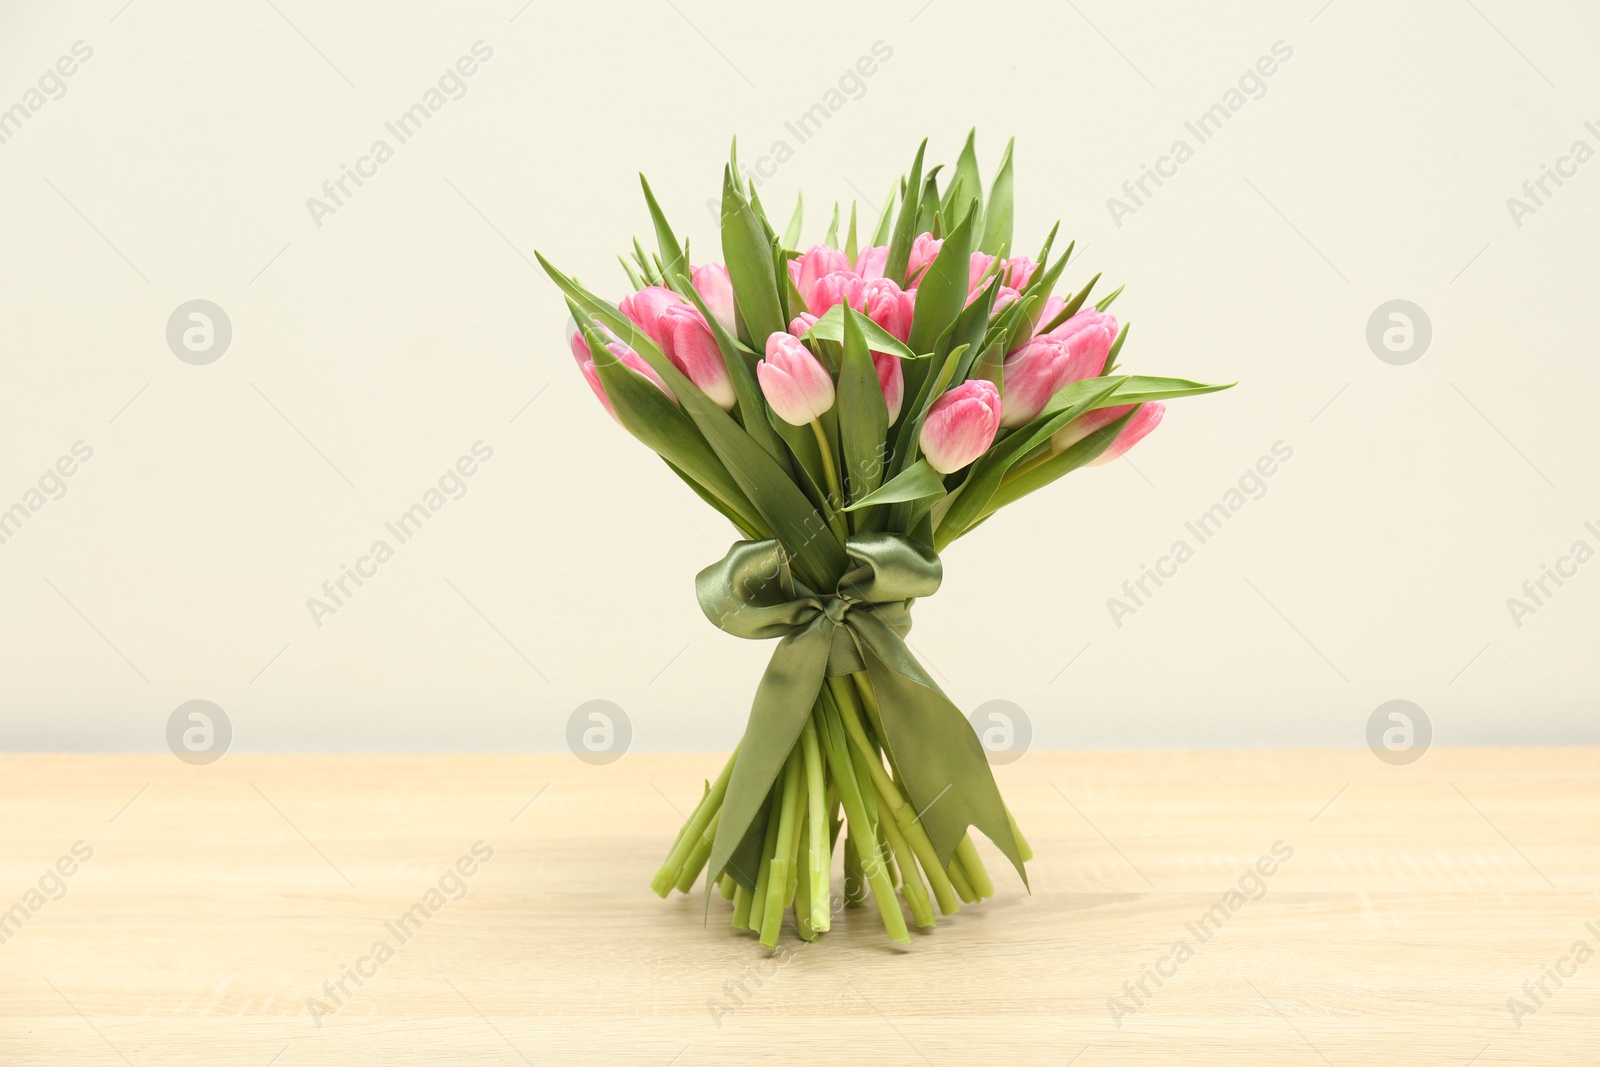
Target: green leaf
[
  {"x": 969, "y": 505},
  {"x": 1107, "y": 301},
  {"x": 831, "y": 328},
  {"x": 1116, "y": 348},
  {"x": 917, "y": 482},
  {"x": 761, "y": 216},
  {"x": 711, "y": 498},
  {"x": 748, "y": 254},
  {"x": 1084, "y": 451},
  {"x": 928, "y": 206},
  {"x": 880, "y": 234},
  {"x": 997, "y": 220},
  {"x": 906, "y": 442},
  {"x": 651, "y": 275},
  {"x": 831, "y": 238},
  {"x": 673, "y": 258},
  {"x": 970, "y": 330},
  {"x": 943, "y": 292},
  {"x": 817, "y": 556},
  {"x": 752, "y": 406},
  {"x": 651, "y": 416},
  {"x": 863, "y": 416},
  {"x": 967, "y": 183},
  {"x": 789, "y": 301},
  {"x": 990, "y": 367},
  {"x": 802, "y": 444},
  {"x": 1022, "y": 323},
  {"x": 905, "y": 224},
  {"x": 850, "y": 240},
  {"x": 1131, "y": 389},
  {"x": 791, "y": 235},
  {"x": 1072, "y": 307},
  {"x": 633, "y": 275},
  {"x": 1050, "y": 239}
]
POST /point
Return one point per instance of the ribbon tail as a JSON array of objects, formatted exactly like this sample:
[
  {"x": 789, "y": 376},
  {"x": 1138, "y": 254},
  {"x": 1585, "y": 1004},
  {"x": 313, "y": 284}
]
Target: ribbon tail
[
  {"x": 783, "y": 701},
  {"x": 946, "y": 775}
]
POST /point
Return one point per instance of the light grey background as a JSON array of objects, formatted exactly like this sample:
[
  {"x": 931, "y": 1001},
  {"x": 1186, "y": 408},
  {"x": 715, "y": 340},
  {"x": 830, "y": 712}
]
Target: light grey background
[{"x": 372, "y": 351}]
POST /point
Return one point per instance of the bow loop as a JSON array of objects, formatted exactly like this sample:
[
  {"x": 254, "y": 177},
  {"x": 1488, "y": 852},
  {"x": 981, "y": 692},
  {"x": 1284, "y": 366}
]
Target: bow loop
[{"x": 890, "y": 568}]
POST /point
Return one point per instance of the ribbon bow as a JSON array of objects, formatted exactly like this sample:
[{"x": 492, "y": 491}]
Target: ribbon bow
[{"x": 860, "y": 626}]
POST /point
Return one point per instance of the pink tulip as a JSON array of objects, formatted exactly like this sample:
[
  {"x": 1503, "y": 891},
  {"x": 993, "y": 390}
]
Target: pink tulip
[
  {"x": 886, "y": 304},
  {"x": 1085, "y": 320},
  {"x": 627, "y": 356},
  {"x": 1147, "y": 418},
  {"x": 1053, "y": 306},
  {"x": 688, "y": 342},
  {"x": 1015, "y": 273},
  {"x": 871, "y": 260},
  {"x": 881, "y": 300},
  {"x": 1088, "y": 336},
  {"x": 981, "y": 262},
  {"x": 1005, "y": 295},
  {"x": 716, "y": 289},
  {"x": 892, "y": 380},
  {"x": 645, "y": 308},
  {"x": 960, "y": 426},
  {"x": 794, "y": 383},
  {"x": 1019, "y": 271},
  {"x": 832, "y": 289},
  {"x": 1086, "y": 424},
  {"x": 923, "y": 252},
  {"x": 580, "y": 348},
  {"x": 818, "y": 262},
  {"x": 1034, "y": 372}
]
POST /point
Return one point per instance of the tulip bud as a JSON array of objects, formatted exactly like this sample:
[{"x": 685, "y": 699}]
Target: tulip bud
[
  {"x": 645, "y": 308},
  {"x": 1032, "y": 374},
  {"x": 886, "y": 304},
  {"x": 924, "y": 250},
  {"x": 794, "y": 383},
  {"x": 1089, "y": 335},
  {"x": 711, "y": 281},
  {"x": 1019, "y": 271},
  {"x": 892, "y": 380},
  {"x": 960, "y": 426},
  {"x": 1086, "y": 320},
  {"x": 817, "y": 263},
  {"x": 1084, "y": 425},
  {"x": 627, "y": 356},
  {"x": 801, "y": 324},
  {"x": 871, "y": 260},
  {"x": 1147, "y": 418},
  {"x": 1053, "y": 306},
  {"x": 832, "y": 289},
  {"x": 978, "y": 270},
  {"x": 687, "y": 341}
]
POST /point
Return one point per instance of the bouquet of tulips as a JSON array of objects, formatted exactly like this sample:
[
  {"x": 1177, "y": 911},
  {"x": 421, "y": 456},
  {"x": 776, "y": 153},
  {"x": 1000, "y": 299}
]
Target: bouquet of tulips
[{"x": 852, "y": 409}]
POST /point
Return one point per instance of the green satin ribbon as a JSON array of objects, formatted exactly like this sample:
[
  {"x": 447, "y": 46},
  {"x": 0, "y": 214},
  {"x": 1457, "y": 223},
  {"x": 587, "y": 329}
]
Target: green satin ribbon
[{"x": 860, "y": 626}]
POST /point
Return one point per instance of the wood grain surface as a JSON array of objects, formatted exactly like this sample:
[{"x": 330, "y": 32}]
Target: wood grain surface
[{"x": 209, "y": 911}]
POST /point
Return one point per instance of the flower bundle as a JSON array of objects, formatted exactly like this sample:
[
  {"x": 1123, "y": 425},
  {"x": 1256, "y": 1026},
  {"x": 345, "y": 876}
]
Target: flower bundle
[{"x": 852, "y": 409}]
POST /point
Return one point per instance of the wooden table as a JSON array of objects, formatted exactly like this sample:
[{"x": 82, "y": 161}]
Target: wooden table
[{"x": 1414, "y": 903}]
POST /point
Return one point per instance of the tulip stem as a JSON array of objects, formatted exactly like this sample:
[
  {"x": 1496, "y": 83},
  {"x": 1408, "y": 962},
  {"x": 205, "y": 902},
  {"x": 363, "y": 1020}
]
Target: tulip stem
[
  {"x": 694, "y": 832},
  {"x": 862, "y": 836},
  {"x": 1027, "y": 464},
  {"x": 830, "y": 470},
  {"x": 819, "y": 855},
  {"x": 899, "y": 809}
]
